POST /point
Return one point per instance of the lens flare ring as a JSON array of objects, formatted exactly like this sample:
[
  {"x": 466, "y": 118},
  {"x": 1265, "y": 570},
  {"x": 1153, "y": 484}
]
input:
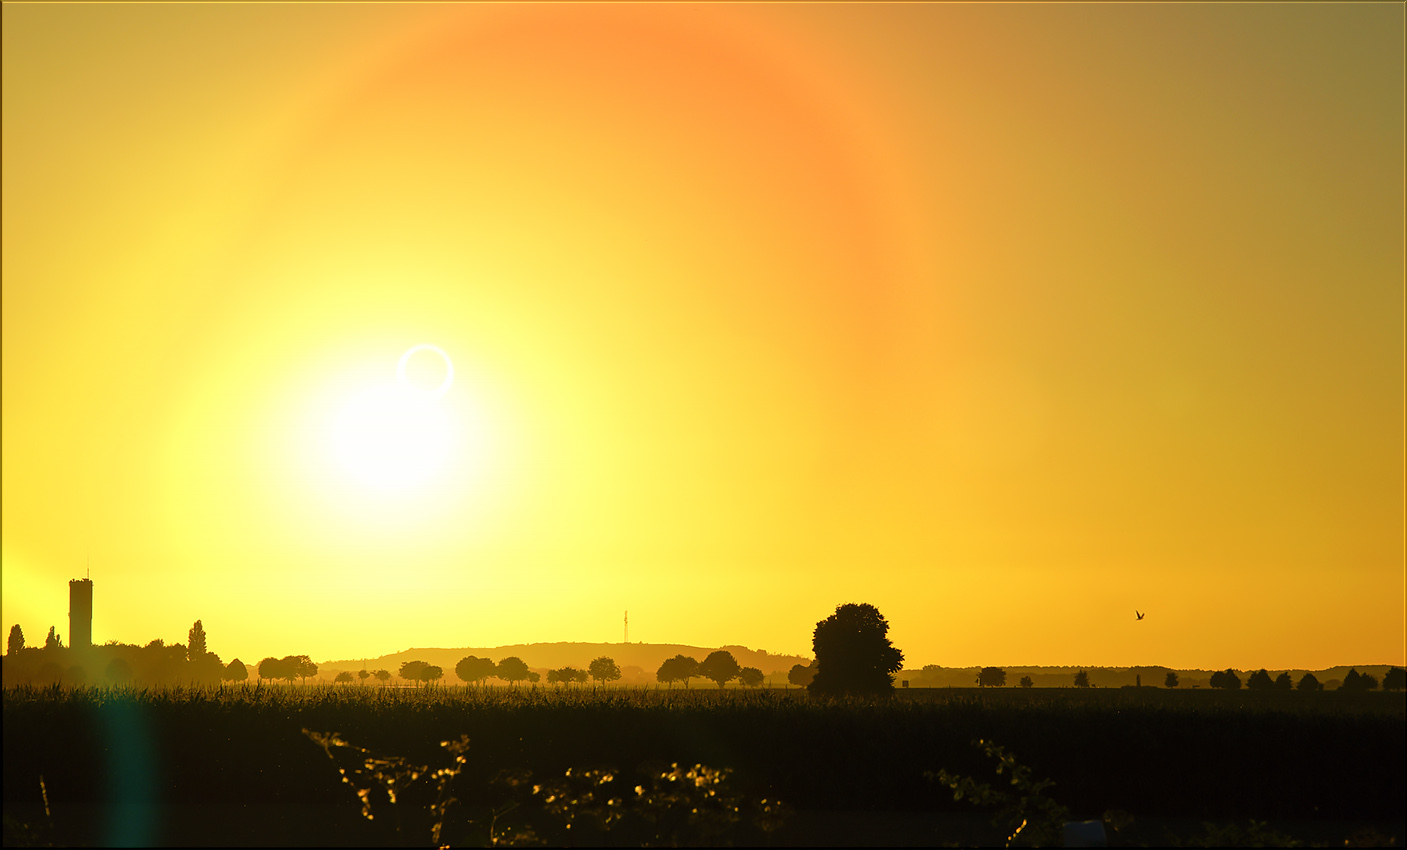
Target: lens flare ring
[{"x": 439, "y": 391}]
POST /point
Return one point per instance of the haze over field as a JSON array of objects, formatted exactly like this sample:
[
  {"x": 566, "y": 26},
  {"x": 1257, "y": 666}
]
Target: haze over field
[{"x": 1006, "y": 319}]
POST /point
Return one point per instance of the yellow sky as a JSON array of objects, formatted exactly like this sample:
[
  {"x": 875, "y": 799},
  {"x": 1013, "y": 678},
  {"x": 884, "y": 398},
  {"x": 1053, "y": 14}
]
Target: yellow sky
[{"x": 1006, "y": 319}]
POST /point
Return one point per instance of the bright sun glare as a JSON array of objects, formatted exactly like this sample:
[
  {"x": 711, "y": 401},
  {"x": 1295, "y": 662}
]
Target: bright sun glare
[{"x": 394, "y": 437}]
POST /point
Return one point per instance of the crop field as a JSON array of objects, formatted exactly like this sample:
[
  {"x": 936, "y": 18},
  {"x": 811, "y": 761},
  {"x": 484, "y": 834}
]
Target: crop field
[{"x": 260, "y": 765}]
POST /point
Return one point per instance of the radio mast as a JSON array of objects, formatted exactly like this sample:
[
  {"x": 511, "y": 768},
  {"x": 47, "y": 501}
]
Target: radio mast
[{"x": 627, "y": 627}]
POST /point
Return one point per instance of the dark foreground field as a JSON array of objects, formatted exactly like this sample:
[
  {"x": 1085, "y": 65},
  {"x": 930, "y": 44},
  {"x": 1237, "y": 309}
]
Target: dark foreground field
[{"x": 234, "y": 767}]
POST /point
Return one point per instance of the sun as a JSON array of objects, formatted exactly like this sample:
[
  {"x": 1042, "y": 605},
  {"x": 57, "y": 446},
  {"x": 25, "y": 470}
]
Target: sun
[{"x": 394, "y": 437}]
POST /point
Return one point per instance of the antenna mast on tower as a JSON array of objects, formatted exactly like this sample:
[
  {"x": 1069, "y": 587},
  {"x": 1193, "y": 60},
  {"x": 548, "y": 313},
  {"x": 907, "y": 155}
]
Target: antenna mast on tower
[{"x": 627, "y": 627}]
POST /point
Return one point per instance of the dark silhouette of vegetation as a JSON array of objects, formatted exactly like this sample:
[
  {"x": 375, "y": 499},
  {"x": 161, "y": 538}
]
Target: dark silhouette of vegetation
[
  {"x": 1260, "y": 681},
  {"x": 513, "y": 670},
  {"x": 302, "y": 666},
  {"x": 52, "y": 640},
  {"x": 1217, "y": 755},
  {"x": 604, "y": 669},
  {"x": 412, "y": 671},
  {"x": 289, "y": 667},
  {"x": 801, "y": 674},
  {"x": 1355, "y": 681},
  {"x": 236, "y": 672},
  {"x": 363, "y": 675},
  {"x": 1283, "y": 682},
  {"x": 1170, "y": 680},
  {"x": 16, "y": 642},
  {"x": 1395, "y": 679},
  {"x": 472, "y": 669},
  {"x": 991, "y": 677},
  {"x": 751, "y": 677},
  {"x": 672, "y": 806},
  {"x": 344, "y": 677},
  {"x": 1028, "y": 810},
  {"x": 853, "y": 653},
  {"x": 1082, "y": 679},
  {"x": 720, "y": 666},
  {"x": 1026, "y": 682},
  {"x": 420, "y": 671},
  {"x": 1309, "y": 682},
  {"x": 1226, "y": 680},
  {"x": 680, "y": 668},
  {"x": 382, "y": 676},
  {"x": 195, "y": 646},
  {"x": 567, "y": 675}
]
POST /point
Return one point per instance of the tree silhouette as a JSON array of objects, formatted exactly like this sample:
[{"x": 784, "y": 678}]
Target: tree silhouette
[
  {"x": 235, "y": 672},
  {"x": 431, "y": 674},
  {"x": 1309, "y": 682},
  {"x": 16, "y": 640},
  {"x": 853, "y": 652},
  {"x": 1283, "y": 682},
  {"x": 512, "y": 669},
  {"x": 1356, "y": 681},
  {"x": 301, "y": 666},
  {"x": 680, "y": 668},
  {"x": 1171, "y": 680},
  {"x": 991, "y": 677},
  {"x": 1026, "y": 682},
  {"x": 271, "y": 668},
  {"x": 604, "y": 669},
  {"x": 1395, "y": 679},
  {"x": 363, "y": 675},
  {"x": 1226, "y": 680},
  {"x": 667, "y": 672},
  {"x": 382, "y": 676},
  {"x": 344, "y": 676},
  {"x": 720, "y": 666},
  {"x": 1082, "y": 679},
  {"x": 801, "y": 674},
  {"x": 411, "y": 671},
  {"x": 1260, "y": 681},
  {"x": 566, "y": 675},
  {"x": 472, "y": 668},
  {"x": 195, "y": 646},
  {"x": 52, "y": 641},
  {"x": 750, "y": 676}
]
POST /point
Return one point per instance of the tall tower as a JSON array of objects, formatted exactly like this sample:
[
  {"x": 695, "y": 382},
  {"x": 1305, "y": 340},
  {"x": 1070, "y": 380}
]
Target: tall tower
[
  {"x": 80, "y": 613},
  {"x": 627, "y": 627}
]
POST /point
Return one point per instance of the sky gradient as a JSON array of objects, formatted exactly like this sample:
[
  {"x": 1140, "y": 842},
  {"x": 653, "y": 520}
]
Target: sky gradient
[{"x": 1006, "y": 319}]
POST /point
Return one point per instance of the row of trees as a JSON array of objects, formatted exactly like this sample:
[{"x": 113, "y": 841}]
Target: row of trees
[
  {"x": 719, "y": 667},
  {"x": 1395, "y": 679}
]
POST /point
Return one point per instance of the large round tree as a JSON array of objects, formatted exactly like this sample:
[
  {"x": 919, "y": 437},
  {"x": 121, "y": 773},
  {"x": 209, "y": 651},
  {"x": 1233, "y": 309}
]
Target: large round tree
[{"x": 853, "y": 653}]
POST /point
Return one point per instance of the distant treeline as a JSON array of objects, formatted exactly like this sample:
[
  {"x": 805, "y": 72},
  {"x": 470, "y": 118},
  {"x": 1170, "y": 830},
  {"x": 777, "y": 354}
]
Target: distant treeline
[{"x": 1368, "y": 677}]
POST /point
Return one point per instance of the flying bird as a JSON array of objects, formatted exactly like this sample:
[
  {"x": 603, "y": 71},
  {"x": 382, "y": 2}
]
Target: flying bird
[{"x": 1140, "y": 616}]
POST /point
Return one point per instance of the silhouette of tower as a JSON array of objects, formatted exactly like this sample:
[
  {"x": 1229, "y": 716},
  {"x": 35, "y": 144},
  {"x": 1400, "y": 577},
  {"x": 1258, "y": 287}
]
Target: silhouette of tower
[
  {"x": 627, "y": 627},
  {"x": 80, "y": 613}
]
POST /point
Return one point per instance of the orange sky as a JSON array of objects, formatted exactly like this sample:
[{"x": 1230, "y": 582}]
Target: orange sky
[{"x": 1007, "y": 319}]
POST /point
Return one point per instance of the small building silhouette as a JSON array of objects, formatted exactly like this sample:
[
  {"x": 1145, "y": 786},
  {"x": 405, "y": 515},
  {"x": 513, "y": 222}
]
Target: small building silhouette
[{"x": 80, "y": 613}]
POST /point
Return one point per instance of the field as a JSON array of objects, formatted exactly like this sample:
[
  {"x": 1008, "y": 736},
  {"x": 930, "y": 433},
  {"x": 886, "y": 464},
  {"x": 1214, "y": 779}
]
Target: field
[{"x": 233, "y": 766}]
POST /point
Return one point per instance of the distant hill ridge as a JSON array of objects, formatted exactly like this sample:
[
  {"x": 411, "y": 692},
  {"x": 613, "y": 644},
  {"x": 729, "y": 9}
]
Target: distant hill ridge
[{"x": 552, "y": 656}]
